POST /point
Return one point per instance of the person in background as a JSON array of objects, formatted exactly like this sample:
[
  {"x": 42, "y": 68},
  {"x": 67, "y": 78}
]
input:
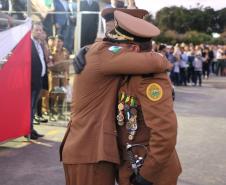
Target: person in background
[
  {"x": 176, "y": 66},
  {"x": 64, "y": 24},
  {"x": 219, "y": 58},
  {"x": 190, "y": 69},
  {"x": 41, "y": 10},
  {"x": 183, "y": 65},
  {"x": 198, "y": 66},
  {"x": 206, "y": 64},
  {"x": 89, "y": 26},
  {"x": 38, "y": 72},
  {"x": 116, "y": 4},
  {"x": 162, "y": 49},
  {"x": 211, "y": 58},
  {"x": 172, "y": 59},
  {"x": 20, "y": 6},
  {"x": 59, "y": 79},
  {"x": 132, "y": 4},
  {"x": 51, "y": 46},
  {"x": 48, "y": 21},
  {"x": 7, "y": 25},
  {"x": 43, "y": 102}
]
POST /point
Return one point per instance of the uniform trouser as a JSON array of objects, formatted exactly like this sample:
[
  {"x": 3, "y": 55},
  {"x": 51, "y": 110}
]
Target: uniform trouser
[
  {"x": 125, "y": 172},
  {"x": 102, "y": 173},
  {"x": 43, "y": 104}
]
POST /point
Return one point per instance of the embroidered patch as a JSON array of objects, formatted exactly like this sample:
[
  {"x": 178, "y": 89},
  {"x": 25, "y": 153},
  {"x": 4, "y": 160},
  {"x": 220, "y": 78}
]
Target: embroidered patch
[
  {"x": 115, "y": 49},
  {"x": 154, "y": 92}
]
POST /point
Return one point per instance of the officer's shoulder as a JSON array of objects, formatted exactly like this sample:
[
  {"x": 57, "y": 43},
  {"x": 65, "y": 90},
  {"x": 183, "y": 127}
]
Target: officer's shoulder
[
  {"x": 99, "y": 46},
  {"x": 156, "y": 54},
  {"x": 110, "y": 48}
]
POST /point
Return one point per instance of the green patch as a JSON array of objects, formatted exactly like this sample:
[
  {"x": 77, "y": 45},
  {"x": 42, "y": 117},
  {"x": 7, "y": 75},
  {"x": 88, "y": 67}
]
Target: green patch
[
  {"x": 155, "y": 93},
  {"x": 115, "y": 49}
]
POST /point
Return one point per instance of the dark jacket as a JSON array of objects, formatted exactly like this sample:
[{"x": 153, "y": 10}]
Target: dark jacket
[
  {"x": 89, "y": 23},
  {"x": 37, "y": 82},
  {"x": 60, "y": 19}
]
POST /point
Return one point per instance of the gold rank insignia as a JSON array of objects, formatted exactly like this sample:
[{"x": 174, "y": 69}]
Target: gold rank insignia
[{"x": 154, "y": 92}]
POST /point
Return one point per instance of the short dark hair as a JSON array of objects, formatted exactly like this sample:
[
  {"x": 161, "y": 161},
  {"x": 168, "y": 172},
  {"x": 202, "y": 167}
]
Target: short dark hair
[
  {"x": 162, "y": 47},
  {"x": 144, "y": 46}
]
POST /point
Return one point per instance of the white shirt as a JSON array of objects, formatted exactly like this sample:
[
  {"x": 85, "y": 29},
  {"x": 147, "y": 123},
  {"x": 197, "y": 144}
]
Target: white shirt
[{"x": 41, "y": 56}]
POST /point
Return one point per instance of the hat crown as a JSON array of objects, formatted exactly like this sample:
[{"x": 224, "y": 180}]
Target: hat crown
[{"x": 137, "y": 27}]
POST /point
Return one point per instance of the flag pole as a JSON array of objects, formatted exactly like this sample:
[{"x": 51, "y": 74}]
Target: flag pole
[{"x": 78, "y": 28}]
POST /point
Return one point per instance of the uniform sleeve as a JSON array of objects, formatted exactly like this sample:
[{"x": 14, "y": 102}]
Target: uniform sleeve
[
  {"x": 155, "y": 96},
  {"x": 127, "y": 62}
]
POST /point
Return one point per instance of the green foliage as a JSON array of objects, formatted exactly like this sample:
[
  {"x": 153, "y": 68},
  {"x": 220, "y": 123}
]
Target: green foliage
[
  {"x": 173, "y": 18},
  {"x": 196, "y": 37},
  {"x": 221, "y": 19},
  {"x": 195, "y": 25},
  {"x": 198, "y": 19},
  {"x": 172, "y": 37}
]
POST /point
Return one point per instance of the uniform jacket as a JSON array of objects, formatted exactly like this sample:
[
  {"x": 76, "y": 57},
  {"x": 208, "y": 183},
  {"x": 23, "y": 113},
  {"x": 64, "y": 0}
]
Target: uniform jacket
[
  {"x": 157, "y": 128},
  {"x": 91, "y": 134}
]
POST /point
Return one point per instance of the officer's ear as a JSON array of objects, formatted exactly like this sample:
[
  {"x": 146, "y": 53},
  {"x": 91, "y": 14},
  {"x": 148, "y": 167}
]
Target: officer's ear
[{"x": 135, "y": 47}]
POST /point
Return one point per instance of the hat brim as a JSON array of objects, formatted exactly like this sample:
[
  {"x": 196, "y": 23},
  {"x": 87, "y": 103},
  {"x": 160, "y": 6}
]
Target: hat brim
[{"x": 108, "y": 13}]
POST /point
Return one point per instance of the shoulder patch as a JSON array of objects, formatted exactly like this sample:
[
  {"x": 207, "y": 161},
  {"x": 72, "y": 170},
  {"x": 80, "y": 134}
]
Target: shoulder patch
[
  {"x": 154, "y": 92},
  {"x": 115, "y": 49}
]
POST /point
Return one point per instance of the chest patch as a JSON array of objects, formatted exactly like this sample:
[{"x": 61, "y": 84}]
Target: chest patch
[
  {"x": 115, "y": 49},
  {"x": 154, "y": 92}
]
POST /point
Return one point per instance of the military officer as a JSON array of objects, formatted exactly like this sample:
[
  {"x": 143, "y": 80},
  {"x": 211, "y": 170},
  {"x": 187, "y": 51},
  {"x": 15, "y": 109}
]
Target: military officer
[
  {"x": 89, "y": 149},
  {"x": 146, "y": 122},
  {"x": 59, "y": 78}
]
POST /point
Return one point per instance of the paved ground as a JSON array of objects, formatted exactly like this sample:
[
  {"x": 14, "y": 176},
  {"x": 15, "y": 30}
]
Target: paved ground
[
  {"x": 201, "y": 145},
  {"x": 202, "y": 133}
]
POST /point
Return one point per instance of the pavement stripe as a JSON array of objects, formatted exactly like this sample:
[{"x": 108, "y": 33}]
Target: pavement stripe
[{"x": 52, "y": 132}]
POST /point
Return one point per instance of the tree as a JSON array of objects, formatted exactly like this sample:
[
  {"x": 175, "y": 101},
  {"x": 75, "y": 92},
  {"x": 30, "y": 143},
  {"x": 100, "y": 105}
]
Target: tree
[
  {"x": 173, "y": 18},
  {"x": 221, "y": 19},
  {"x": 198, "y": 19}
]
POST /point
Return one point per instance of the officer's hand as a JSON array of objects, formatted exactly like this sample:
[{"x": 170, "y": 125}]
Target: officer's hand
[
  {"x": 139, "y": 180},
  {"x": 79, "y": 61}
]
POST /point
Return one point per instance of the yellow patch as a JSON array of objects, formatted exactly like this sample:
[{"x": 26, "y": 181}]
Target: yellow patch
[{"x": 154, "y": 92}]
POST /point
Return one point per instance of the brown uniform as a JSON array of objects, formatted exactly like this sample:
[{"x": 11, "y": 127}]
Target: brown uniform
[
  {"x": 58, "y": 57},
  {"x": 91, "y": 135},
  {"x": 156, "y": 129}
]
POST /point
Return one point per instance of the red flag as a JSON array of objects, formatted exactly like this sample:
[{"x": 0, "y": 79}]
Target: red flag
[{"x": 15, "y": 92}]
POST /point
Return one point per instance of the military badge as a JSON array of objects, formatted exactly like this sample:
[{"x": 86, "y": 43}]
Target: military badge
[
  {"x": 115, "y": 49},
  {"x": 154, "y": 92}
]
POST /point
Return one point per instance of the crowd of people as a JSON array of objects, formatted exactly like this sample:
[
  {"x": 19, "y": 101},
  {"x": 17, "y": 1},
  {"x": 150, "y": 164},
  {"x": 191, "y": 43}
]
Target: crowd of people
[{"x": 192, "y": 63}]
